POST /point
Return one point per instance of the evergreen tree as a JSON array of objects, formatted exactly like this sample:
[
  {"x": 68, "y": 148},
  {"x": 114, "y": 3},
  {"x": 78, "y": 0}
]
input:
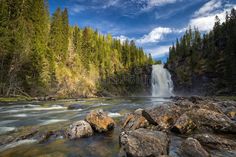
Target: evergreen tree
[
  {"x": 65, "y": 33},
  {"x": 211, "y": 55}
]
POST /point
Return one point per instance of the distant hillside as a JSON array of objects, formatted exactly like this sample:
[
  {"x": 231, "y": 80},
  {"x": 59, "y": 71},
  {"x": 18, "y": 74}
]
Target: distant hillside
[
  {"x": 42, "y": 55},
  {"x": 206, "y": 64}
]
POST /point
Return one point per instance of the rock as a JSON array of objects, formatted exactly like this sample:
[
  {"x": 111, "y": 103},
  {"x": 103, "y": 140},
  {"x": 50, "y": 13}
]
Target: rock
[
  {"x": 184, "y": 125},
  {"x": 215, "y": 142},
  {"x": 196, "y": 99},
  {"x": 79, "y": 129},
  {"x": 144, "y": 143},
  {"x": 209, "y": 105},
  {"x": 213, "y": 120},
  {"x": 135, "y": 120},
  {"x": 139, "y": 111},
  {"x": 46, "y": 98},
  {"x": 225, "y": 104},
  {"x": 231, "y": 112},
  {"x": 165, "y": 115},
  {"x": 100, "y": 121},
  {"x": 192, "y": 148},
  {"x": 75, "y": 106},
  {"x": 184, "y": 104},
  {"x": 45, "y": 136}
]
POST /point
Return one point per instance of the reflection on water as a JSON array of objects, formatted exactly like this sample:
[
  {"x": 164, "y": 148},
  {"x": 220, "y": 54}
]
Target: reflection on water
[{"x": 17, "y": 116}]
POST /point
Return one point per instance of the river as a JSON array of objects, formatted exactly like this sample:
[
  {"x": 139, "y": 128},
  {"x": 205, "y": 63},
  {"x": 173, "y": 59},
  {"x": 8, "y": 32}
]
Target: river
[{"x": 17, "y": 118}]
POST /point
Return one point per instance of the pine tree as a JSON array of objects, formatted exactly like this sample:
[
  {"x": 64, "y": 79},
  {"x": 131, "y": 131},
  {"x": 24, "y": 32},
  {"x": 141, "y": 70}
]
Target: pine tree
[
  {"x": 56, "y": 36},
  {"x": 65, "y": 34},
  {"x": 37, "y": 68}
]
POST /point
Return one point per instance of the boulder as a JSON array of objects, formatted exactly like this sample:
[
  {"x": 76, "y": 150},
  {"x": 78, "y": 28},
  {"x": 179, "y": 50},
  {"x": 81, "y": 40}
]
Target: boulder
[
  {"x": 100, "y": 121},
  {"x": 214, "y": 120},
  {"x": 165, "y": 115},
  {"x": 144, "y": 143},
  {"x": 215, "y": 142},
  {"x": 192, "y": 148},
  {"x": 209, "y": 105},
  {"x": 135, "y": 120},
  {"x": 184, "y": 125},
  {"x": 79, "y": 129}
]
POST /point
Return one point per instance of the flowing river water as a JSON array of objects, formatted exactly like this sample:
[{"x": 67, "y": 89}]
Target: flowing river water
[{"x": 18, "y": 118}]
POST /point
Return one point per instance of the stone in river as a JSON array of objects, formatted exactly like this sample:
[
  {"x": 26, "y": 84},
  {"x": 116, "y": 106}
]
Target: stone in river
[
  {"x": 165, "y": 115},
  {"x": 79, "y": 129},
  {"x": 184, "y": 125},
  {"x": 215, "y": 142},
  {"x": 214, "y": 120},
  {"x": 192, "y": 148},
  {"x": 75, "y": 106},
  {"x": 144, "y": 143},
  {"x": 100, "y": 121},
  {"x": 135, "y": 120}
]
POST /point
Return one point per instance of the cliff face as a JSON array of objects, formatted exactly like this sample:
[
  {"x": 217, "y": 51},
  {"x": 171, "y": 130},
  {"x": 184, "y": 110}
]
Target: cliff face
[
  {"x": 136, "y": 81},
  {"x": 188, "y": 83}
]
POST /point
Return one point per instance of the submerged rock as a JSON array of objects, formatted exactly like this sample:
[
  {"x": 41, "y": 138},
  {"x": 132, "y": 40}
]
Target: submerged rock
[
  {"x": 100, "y": 121},
  {"x": 192, "y": 148},
  {"x": 144, "y": 143},
  {"x": 79, "y": 129},
  {"x": 75, "y": 106}
]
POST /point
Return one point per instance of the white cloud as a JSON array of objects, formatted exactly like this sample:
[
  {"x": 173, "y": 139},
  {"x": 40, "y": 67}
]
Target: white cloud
[
  {"x": 111, "y": 3},
  {"x": 122, "y": 38},
  {"x": 155, "y": 35},
  {"x": 208, "y": 8},
  {"x": 206, "y": 19},
  {"x": 76, "y": 9},
  {"x": 205, "y": 23},
  {"x": 160, "y": 2},
  {"x": 155, "y": 3},
  {"x": 159, "y": 51}
]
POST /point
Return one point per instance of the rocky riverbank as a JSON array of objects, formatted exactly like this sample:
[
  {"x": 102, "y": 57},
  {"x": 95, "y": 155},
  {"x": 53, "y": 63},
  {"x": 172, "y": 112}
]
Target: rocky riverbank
[
  {"x": 206, "y": 127},
  {"x": 193, "y": 126}
]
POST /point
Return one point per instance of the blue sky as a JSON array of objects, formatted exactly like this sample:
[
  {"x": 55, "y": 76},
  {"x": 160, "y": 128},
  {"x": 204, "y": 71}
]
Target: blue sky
[{"x": 153, "y": 24}]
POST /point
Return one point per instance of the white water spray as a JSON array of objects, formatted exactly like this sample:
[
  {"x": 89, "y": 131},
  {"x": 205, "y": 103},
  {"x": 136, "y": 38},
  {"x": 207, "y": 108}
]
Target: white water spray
[{"x": 162, "y": 85}]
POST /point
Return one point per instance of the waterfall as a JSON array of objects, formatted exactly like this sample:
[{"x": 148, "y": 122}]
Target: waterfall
[{"x": 162, "y": 85}]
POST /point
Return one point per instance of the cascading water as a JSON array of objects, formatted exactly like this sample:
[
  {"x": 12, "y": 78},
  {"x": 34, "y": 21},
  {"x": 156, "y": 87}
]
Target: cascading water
[{"x": 162, "y": 85}]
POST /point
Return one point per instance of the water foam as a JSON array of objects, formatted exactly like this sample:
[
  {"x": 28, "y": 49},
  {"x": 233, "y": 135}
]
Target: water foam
[
  {"x": 162, "y": 85},
  {"x": 4, "y": 130},
  {"x": 114, "y": 114}
]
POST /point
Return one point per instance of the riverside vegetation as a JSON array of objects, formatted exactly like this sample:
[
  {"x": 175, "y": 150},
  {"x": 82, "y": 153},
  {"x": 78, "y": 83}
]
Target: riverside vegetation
[
  {"x": 42, "y": 55},
  {"x": 205, "y": 64}
]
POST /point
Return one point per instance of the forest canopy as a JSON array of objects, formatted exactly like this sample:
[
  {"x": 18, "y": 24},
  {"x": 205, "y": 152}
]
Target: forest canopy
[
  {"x": 206, "y": 63},
  {"x": 44, "y": 55}
]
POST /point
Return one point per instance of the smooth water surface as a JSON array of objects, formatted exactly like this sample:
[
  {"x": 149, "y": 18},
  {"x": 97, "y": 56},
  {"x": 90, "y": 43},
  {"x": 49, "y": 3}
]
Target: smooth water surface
[{"x": 15, "y": 118}]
